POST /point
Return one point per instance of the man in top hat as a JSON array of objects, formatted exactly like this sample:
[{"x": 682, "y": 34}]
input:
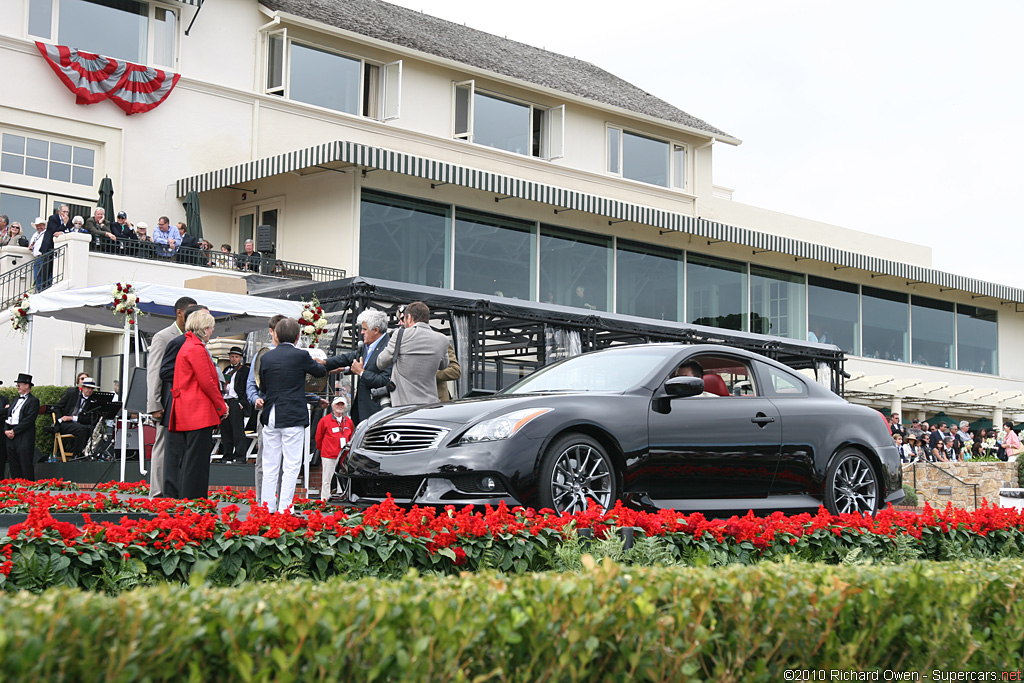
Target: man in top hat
[
  {"x": 72, "y": 414},
  {"x": 20, "y": 432},
  {"x": 232, "y": 429}
]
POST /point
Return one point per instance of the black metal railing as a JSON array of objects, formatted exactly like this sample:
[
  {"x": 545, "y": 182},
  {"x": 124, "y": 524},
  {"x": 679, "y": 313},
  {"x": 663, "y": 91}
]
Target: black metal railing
[
  {"x": 254, "y": 263},
  {"x": 36, "y": 275}
]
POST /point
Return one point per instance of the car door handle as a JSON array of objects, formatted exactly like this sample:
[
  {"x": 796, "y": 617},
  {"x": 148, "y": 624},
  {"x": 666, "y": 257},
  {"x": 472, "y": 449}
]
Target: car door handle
[{"x": 761, "y": 420}]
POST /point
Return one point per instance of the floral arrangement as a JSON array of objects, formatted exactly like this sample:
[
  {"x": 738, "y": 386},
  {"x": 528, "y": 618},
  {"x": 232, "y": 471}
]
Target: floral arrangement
[
  {"x": 19, "y": 314},
  {"x": 314, "y": 321},
  {"x": 125, "y": 301}
]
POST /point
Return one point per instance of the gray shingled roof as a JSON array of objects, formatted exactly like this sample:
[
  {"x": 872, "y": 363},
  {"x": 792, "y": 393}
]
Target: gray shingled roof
[{"x": 449, "y": 40}]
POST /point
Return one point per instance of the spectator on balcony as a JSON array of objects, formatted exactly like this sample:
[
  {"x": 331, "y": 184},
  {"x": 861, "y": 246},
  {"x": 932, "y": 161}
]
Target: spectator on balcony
[
  {"x": 103, "y": 237},
  {"x": 964, "y": 438},
  {"x": 4, "y": 226},
  {"x": 35, "y": 242},
  {"x": 57, "y": 225},
  {"x": 188, "y": 246},
  {"x": 165, "y": 238},
  {"x": 122, "y": 228},
  {"x": 250, "y": 260},
  {"x": 14, "y": 237},
  {"x": 896, "y": 425},
  {"x": 78, "y": 225},
  {"x": 226, "y": 259}
]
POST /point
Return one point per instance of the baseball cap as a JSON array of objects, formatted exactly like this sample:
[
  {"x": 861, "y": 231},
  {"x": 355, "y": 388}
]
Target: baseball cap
[
  {"x": 340, "y": 399},
  {"x": 122, "y": 214}
]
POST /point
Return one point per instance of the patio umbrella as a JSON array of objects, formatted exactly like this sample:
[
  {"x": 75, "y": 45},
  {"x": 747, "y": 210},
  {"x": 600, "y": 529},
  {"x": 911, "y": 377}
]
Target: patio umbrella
[
  {"x": 106, "y": 200},
  {"x": 192, "y": 217},
  {"x": 983, "y": 423}
]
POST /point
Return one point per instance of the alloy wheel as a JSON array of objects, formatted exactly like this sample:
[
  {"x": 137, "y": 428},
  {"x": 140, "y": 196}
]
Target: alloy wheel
[{"x": 580, "y": 474}]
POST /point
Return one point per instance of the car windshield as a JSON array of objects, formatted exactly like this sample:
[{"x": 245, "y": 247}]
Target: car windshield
[{"x": 607, "y": 371}]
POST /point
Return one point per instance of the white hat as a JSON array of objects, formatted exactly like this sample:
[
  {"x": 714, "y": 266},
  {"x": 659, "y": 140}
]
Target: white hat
[
  {"x": 39, "y": 220},
  {"x": 340, "y": 399},
  {"x": 142, "y": 225}
]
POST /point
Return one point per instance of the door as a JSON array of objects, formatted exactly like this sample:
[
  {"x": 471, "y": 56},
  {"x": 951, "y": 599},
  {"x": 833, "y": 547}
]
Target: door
[
  {"x": 22, "y": 207},
  {"x": 713, "y": 446}
]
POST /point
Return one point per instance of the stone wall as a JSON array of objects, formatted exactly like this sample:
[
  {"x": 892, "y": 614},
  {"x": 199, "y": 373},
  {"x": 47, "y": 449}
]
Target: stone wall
[{"x": 928, "y": 479}]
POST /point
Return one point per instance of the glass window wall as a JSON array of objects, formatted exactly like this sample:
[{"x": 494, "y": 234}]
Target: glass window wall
[
  {"x": 575, "y": 268},
  {"x": 324, "y": 78},
  {"x": 977, "y": 339},
  {"x": 886, "y": 321},
  {"x": 834, "y": 313},
  {"x": 934, "y": 331},
  {"x": 494, "y": 255},
  {"x": 649, "y": 281},
  {"x": 645, "y": 159},
  {"x": 501, "y": 123},
  {"x": 405, "y": 240},
  {"x": 778, "y": 303},
  {"x": 716, "y": 292}
]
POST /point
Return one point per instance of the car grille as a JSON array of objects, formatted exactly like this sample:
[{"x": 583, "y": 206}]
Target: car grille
[
  {"x": 402, "y": 438},
  {"x": 380, "y": 487}
]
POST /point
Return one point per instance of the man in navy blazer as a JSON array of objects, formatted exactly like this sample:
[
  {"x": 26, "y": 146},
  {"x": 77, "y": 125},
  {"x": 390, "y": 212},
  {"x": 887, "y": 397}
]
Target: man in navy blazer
[
  {"x": 283, "y": 372},
  {"x": 363, "y": 363}
]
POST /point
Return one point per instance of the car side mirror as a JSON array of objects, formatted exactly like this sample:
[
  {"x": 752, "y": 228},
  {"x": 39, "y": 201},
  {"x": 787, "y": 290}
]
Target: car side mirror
[{"x": 683, "y": 387}]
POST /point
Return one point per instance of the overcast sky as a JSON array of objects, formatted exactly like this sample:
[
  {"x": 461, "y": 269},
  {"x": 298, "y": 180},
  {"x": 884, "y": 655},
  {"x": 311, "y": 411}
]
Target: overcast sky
[{"x": 895, "y": 118}]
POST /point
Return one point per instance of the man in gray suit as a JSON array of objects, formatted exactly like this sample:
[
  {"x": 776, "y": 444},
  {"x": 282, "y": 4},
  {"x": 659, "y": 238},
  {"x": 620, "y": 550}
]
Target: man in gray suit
[
  {"x": 422, "y": 352},
  {"x": 154, "y": 391}
]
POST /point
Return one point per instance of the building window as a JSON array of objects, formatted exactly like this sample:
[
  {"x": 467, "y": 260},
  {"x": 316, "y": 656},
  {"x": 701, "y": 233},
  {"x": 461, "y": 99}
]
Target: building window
[
  {"x": 404, "y": 240},
  {"x": 316, "y": 75},
  {"x": 648, "y": 281},
  {"x": 575, "y": 268},
  {"x": 834, "y": 313},
  {"x": 47, "y": 159},
  {"x": 646, "y": 159},
  {"x": 977, "y": 339},
  {"x": 135, "y": 31},
  {"x": 494, "y": 255},
  {"x": 777, "y": 303},
  {"x": 716, "y": 292},
  {"x": 886, "y": 324},
  {"x": 934, "y": 331},
  {"x": 505, "y": 123}
]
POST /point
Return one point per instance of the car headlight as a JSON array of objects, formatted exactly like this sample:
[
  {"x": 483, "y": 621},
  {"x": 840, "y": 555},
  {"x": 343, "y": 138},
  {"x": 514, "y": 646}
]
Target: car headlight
[{"x": 503, "y": 427}]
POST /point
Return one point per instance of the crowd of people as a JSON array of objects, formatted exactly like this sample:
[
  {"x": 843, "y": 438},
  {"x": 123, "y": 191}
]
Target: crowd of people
[
  {"x": 166, "y": 241},
  {"x": 922, "y": 442}
]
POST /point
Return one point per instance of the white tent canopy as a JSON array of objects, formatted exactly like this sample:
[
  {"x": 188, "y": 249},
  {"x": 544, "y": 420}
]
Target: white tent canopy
[{"x": 235, "y": 313}]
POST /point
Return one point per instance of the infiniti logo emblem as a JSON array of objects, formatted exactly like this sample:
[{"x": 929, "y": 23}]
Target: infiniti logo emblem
[{"x": 391, "y": 438}]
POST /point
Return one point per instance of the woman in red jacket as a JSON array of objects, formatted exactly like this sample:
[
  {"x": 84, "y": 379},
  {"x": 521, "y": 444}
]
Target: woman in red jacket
[
  {"x": 197, "y": 408},
  {"x": 333, "y": 433}
]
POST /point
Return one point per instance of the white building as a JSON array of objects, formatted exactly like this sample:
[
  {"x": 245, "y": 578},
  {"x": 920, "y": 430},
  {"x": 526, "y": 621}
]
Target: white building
[{"x": 383, "y": 142}]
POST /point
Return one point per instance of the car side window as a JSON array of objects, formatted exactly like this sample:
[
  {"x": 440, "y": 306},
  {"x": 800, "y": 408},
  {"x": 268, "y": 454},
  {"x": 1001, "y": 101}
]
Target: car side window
[
  {"x": 723, "y": 376},
  {"x": 784, "y": 383}
]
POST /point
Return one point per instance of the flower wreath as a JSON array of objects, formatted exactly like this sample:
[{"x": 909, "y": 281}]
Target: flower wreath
[
  {"x": 19, "y": 314},
  {"x": 125, "y": 301},
  {"x": 314, "y": 321}
]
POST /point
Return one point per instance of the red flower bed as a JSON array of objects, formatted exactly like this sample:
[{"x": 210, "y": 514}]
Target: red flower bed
[{"x": 388, "y": 540}]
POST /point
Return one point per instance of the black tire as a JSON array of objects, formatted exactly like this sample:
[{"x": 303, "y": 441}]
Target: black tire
[
  {"x": 574, "y": 470},
  {"x": 852, "y": 484}
]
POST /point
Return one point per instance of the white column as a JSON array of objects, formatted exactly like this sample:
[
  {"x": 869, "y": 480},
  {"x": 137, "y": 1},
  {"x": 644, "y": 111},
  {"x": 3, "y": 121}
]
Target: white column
[
  {"x": 997, "y": 418},
  {"x": 896, "y": 406}
]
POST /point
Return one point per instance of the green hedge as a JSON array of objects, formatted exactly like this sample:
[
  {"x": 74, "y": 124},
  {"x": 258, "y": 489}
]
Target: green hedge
[
  {"x": 47, "y": 394},
  {"x": 606, "y": 623}
]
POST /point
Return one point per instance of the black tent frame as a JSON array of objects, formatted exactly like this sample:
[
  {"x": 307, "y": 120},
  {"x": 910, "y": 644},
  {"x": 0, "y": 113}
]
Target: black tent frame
[{"x": 510, "y": 333}]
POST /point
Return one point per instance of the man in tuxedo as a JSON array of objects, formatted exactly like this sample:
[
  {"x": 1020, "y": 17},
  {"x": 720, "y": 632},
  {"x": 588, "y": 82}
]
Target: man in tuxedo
[
  {"x": 254, "y": 392},
  {"x": 363, "y": 363},
  {"x": 20, "y": 431},
  {"x": 232, "y": 429},
  {"x": 283, "y": 378},
  {"x": 155, "y": 394},
  {"x": 72, "y": 417}
]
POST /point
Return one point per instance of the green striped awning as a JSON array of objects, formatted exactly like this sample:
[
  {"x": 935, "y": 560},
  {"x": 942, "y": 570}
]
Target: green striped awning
[{"x": 443, "y": 172}]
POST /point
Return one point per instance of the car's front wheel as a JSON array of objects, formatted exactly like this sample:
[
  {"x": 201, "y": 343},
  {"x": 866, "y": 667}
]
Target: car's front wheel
[
  {"x": 576, "y": 469},
  {"x": 851, "y": 484}
]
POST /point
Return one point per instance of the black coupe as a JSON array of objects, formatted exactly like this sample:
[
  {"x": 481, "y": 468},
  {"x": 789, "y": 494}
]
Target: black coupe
[{"x": 705, "y": 428}]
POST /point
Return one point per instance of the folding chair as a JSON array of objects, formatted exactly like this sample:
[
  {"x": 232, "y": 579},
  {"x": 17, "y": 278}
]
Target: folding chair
[{"x": 58, "y": 441}]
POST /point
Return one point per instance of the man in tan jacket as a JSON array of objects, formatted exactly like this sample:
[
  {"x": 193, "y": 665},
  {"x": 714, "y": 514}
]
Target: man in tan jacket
[{"x": 450, "y": 374}]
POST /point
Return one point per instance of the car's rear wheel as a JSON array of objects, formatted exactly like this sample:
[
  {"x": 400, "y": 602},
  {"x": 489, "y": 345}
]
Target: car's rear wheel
[
  {"x": 851, "y": 484},
  {"x": 576, "y": 469}
]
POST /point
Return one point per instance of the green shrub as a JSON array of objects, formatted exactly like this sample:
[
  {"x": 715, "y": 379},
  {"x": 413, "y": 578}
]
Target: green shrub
[
  {"x": 911, "y": 493},
  {"x": 47, "y": 395},
  {"x": 604, "y": 623}
]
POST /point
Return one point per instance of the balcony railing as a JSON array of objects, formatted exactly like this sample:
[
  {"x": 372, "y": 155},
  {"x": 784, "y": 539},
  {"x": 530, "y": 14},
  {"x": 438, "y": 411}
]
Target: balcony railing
[
  {"x": 240, "y": 263},
  {"x": 36, "y": 275}
]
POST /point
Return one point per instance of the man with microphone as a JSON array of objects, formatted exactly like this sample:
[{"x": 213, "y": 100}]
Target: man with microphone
[{"x": 363, "y": 363}]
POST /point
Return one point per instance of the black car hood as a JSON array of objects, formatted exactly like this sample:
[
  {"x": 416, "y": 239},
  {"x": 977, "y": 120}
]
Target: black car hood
[{"x": 469, "y": 410}]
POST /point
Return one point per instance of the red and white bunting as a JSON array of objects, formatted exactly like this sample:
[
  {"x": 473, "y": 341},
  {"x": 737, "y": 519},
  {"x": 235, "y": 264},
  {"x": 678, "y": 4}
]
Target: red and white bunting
[{"x": 93, "y": 78}]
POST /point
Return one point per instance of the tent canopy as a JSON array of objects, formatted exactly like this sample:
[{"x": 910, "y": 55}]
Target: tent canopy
[{"x": 235, "y": 313}]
